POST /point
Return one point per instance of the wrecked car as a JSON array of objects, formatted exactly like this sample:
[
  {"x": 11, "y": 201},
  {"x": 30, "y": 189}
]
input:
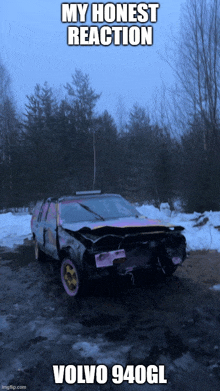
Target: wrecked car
[{"x": 94, "y": 235}]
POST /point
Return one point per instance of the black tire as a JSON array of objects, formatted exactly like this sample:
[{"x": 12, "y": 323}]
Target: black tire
[
  {"x": 39, "y": 255},
  {"x": 141, "y": 278},
  {"x": 72, "y": 278},
  {"x": 166, "y": 266}
]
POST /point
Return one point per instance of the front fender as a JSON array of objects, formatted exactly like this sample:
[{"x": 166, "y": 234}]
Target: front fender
[{"x": 68, "y": 245}]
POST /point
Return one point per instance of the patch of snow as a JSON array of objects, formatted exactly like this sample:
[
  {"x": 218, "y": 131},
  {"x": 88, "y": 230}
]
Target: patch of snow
[
  {"x": 178, "y": 206},
  {"x": 165, "y": 208},
  {"x": 204, "y": 237},
  {"x": 3, "y": 323},
  {"x": 102, "y": 351},
  {"x": 151, "y": 212},
  {"x": 49, "y": 331},
  {"x": 216, "y": 287},
  {"x": 14, "y": 228},
  {"x": 185, "y": 362}
]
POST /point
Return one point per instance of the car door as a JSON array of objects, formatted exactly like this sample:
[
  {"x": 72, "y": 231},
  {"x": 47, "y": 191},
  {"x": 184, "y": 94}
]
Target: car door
[
  {"x": 40, "y": 225},
  {"x": 51, "y": 231}
]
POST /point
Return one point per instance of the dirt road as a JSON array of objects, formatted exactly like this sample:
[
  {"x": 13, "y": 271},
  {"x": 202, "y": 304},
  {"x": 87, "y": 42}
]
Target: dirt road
[{"x": 175, "y": 323}]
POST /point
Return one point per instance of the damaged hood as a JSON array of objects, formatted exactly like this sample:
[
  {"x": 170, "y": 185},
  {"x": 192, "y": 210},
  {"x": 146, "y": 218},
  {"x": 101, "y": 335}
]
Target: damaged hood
[{"x": 129, "y": 222}]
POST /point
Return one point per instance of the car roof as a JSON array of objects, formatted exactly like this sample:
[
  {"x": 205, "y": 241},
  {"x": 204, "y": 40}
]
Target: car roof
[{"x": 81, "y": 196}]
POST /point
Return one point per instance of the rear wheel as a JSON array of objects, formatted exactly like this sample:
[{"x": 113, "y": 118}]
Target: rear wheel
[{"x": 72, "y": 278}]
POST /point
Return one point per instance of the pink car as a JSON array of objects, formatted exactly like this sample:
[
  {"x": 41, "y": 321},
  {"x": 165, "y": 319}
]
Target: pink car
[{"x": 93, "y": 235}]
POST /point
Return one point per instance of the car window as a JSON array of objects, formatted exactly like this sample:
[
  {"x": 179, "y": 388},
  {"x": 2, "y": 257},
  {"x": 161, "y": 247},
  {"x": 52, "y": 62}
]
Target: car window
[
  {"x": 72, "y": 212},
  {"x": 44, "y": 210},
  {"x": 104, "y": 208},
  {"x": 51, "y": 214},
  {"x": 111, "y": 207}
]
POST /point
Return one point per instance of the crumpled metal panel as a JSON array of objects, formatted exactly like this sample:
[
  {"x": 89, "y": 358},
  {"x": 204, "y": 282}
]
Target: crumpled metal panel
[{"x": 128, "y": 222}]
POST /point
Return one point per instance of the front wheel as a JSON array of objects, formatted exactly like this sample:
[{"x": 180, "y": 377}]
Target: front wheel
[
  {"x": 71, "y": 278},
  {"x": 166, "y": 266}
]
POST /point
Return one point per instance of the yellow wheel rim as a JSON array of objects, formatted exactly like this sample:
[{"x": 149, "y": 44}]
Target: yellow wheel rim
[{"x": 70, "y": 276}]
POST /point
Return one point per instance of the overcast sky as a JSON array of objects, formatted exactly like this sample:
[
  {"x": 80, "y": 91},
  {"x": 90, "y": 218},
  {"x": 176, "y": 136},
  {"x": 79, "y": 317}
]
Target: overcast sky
[{"x": 34, "y": 50}]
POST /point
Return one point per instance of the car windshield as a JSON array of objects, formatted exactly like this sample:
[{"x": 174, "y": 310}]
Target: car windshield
[{"x": 93, "y": 209}]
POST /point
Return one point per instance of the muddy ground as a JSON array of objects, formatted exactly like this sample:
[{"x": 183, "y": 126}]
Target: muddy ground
[{"x": 174, "y": 322}]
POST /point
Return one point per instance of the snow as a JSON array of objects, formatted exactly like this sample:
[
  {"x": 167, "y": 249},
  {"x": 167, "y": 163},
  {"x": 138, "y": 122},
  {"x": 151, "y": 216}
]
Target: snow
[
  {"x": 14, "y": 228},
  {"x": 203, "y": 237},
  {"x": 101, "y": 351},
  {"x": 216, "y": 287}
]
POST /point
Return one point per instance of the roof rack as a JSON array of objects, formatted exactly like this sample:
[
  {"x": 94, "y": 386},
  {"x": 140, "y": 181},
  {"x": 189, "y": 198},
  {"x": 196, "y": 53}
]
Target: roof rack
[{"x": 88, "y": 192}]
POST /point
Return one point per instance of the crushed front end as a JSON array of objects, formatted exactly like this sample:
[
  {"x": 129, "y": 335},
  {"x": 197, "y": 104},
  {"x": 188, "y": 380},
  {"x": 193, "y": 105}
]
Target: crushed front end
[{"x": 132, "y": 249}]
